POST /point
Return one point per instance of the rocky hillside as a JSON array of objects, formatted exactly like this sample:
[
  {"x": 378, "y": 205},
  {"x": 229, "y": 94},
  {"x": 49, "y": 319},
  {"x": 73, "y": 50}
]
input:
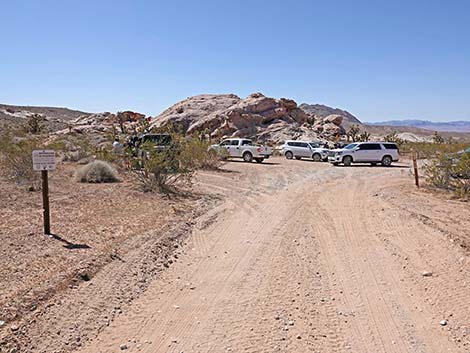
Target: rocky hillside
[
  {"x": 257, "y": 116},
  {"x": 323, "y": 111},
  {"x": 53, "y": 118}
]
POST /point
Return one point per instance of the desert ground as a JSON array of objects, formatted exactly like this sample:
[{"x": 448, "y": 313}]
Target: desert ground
[{"x": 288, "y": 256}]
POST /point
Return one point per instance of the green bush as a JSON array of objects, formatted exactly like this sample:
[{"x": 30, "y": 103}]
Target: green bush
[
  {"x": 450, "y": 172},
  {"x": 96, "y": 172},
  {"x": 165, "y": 171},
  {"x": 196, "y": 155}
]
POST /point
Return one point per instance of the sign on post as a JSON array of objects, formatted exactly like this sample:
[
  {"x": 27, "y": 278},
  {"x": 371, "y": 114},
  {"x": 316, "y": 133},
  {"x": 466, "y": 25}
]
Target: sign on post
[{"x": 44, "y": 160}]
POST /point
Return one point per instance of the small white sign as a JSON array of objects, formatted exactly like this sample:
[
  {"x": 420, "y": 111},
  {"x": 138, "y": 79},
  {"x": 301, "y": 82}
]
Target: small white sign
[{"x": 44, "y": 160}]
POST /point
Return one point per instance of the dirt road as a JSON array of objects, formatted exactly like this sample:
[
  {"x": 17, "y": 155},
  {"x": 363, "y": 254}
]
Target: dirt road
[{"x": 305, "y": 257}]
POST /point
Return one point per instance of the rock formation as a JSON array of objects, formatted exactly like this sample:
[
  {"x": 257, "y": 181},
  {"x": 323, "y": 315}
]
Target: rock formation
[{"x": 257, "y": 116}]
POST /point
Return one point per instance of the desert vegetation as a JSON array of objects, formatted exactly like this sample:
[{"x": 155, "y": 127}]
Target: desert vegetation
[
  {"x": 16, "y": 159},
  {"x": 450, "y": 172},
  {"x": 97, "y": 172}
]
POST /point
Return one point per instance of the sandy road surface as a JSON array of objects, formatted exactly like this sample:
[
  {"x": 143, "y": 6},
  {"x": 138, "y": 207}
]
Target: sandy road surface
[{"x": 281, "y": 266}]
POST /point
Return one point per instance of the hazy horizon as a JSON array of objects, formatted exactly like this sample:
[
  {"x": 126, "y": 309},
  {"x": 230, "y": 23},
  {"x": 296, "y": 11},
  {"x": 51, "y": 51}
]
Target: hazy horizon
[{"x": 378, "y": 60}]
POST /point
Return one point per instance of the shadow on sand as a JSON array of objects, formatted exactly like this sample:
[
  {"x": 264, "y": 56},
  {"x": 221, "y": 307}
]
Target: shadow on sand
[{"x": 67, "y": 244}]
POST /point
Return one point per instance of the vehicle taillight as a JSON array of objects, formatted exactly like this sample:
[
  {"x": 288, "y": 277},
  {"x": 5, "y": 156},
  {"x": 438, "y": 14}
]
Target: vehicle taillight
[{"x": 259, "y": 149}]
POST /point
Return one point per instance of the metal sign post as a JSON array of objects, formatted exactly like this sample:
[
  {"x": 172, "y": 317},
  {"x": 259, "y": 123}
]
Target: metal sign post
[{"x": 44, "y": 160}]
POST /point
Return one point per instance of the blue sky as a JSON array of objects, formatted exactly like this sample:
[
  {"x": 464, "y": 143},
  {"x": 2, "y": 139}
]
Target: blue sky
[{"x": 380, "y": 60}]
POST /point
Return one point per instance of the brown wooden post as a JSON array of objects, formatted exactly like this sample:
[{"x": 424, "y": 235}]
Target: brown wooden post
[
  {"x": 45, "y": 202},
  {"x": 415, "y": 168}
]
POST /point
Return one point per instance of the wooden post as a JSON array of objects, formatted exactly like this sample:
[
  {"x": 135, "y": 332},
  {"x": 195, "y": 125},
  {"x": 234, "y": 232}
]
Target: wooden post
[
  {"x": 415, "y": 168},
  {"x": 45, "y": 202}
]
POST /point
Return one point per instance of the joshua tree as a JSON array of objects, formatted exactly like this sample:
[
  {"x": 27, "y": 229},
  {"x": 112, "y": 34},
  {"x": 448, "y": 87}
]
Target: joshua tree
[
  {"x": 437, "y": 138},
  {"x": 121, "y": 118},
  {"x": 33, "y": 125},
  {"x": 364, "y": 136},
  {"x": 353, "y": 132}
]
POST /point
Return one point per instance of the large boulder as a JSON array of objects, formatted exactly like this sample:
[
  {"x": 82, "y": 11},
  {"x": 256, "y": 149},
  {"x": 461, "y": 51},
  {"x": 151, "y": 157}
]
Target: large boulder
[{"x": 334, "y": 119}]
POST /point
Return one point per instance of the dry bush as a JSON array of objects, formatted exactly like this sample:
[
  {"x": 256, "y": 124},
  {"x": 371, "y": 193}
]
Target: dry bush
[
  {"x": 16, "y": 161},
  {"x": 96, "y": 172}
]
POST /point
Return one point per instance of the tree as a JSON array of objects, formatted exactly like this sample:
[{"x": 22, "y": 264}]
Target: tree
[
  {"x": 33, "y": 125},
  {"x": 364, "y": 136},
  {"x": 353, "y": 132},
  {"x": 121, "y": 118},
  {"x": 437, "y": 138}
]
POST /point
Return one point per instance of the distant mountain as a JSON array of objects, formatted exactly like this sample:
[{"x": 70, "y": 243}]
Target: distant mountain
[
  {"x": 450, "y": 126},
  {"x": 324, "y": 110}
]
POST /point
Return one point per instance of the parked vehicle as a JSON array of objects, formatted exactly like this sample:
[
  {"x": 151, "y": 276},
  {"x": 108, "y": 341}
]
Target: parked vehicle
[
  {"x": 148, "y": 142},
  {"x": 365, "y": 152},
  {"x": 304, "y": 149},
  {"x": 242, "y": 148},
  {"x": 158, "y": 141}
]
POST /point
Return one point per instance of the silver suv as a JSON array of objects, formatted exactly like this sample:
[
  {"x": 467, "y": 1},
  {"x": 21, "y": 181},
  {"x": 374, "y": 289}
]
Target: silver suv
[
  {"x": 304, "y": 149},
  {"x": 365, "y": 152}
]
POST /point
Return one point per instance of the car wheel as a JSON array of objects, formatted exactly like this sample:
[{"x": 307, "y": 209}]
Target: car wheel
[
  {"x": 298, "y": 158},
  {"x": 289, "y": 155},
  {"x": 259, "y": 160},
  {"x": 247, "y": 157},
  {"x": 316, "y": 157},
  {"x": 347, "y": 160},
  {"x": 387, "y": 161}
]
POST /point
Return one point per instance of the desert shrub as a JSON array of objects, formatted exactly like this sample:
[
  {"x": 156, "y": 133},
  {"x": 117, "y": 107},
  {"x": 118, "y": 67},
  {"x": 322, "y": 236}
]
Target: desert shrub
[
  {"x": 166, "y": 171},
  {"x": 450, "y": 172},
  {"x": 96, "y": 172},
  {"x": 195, "y": 154},
  {"x": 161, "y": 171},
  {"x": 16, "y": 161}
]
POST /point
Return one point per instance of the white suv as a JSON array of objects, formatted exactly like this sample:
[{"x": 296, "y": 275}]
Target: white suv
[
  {"x": 365, "y": 152},
  {"x": 304, "y": 149}
]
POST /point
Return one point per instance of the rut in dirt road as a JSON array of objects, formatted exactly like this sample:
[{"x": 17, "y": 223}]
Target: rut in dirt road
[{"x": 302, "y": 257}]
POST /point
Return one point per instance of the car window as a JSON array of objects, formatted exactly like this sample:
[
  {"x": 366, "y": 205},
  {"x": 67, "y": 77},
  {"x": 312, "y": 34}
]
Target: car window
[
  {"x": 351, "y": 146},
  {"x": 314, "y": 145},
  {"x": 370, "y": 146},
  {"x": 390, "y": 146},
  {"x": 157, "y": 139},
  {"x": 234, "y": 143},
  {"x": 246, "y": 143},
  {"x": 303, "y": 144},
  {"x": 225, "y": 143},
  {"x": 290, "y": 143}
]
